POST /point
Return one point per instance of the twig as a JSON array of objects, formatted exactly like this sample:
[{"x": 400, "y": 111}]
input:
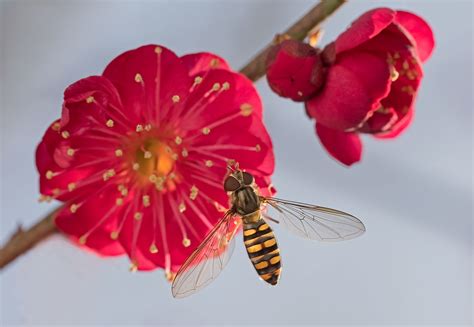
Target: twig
[
  {"x": 298, "y": 31},
  {"x": 22, "y": 241}
]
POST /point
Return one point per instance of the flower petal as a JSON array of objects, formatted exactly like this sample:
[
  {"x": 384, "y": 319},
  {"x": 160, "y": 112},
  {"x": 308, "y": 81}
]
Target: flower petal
[
  {"x": 201, "y": 62},
  {"x": 252, "y": 148},
  {"x": 294, "y": 70},
  {"x": 55, "y": 180},
  {"x": 364, "y": 28},
  {"x": 420, "y": 30},
  {"x": 344, "y": 147},
  {"x": 91, "y": 97},
  {"x": 393, "y": 39},
  {"x": 148, "y": 78},
  {"x": 353, "y": 89},
  {"x": 92, "y": 218}
]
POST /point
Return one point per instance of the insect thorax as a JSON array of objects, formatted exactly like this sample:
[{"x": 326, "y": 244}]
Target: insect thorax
[{"x": 245, "y": 201}]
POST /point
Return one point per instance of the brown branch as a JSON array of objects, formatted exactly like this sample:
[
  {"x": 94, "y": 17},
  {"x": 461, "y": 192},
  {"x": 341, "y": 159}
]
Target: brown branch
[
  {"x": 22, "y": 241},
  {"x": 298, "y": 31}
]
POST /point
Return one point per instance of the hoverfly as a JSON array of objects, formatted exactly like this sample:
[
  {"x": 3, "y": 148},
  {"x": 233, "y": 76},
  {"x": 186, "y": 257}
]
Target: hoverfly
[{"x": 248, "y": 208}]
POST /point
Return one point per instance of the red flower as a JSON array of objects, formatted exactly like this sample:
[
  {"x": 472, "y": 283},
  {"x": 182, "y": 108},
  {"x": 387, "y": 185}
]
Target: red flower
[
  {"x": 373, "y": 71},
  {"x": 140, "y": 153}
]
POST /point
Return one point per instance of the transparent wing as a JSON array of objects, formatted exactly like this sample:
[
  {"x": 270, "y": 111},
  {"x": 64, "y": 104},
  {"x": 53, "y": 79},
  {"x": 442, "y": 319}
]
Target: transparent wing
[
  {"x": 208, "y": 260},
  {"x": 315, "y": 222}
]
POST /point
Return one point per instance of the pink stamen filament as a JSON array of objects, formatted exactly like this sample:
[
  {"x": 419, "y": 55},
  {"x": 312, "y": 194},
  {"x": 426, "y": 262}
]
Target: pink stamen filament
[
  {"x": 100, "y": 222},
  {"x": 192, "y": 113},
  {"x": 177, "y": 216},
  {"x": 198, "y": 212},
  {"x": 157, "y": 90},
  {"x": 136, "y": 229},
  {"x": 210, "y": 200},
  {"x": 161, "y": 222},
  {"x": 224, "y": 147}
]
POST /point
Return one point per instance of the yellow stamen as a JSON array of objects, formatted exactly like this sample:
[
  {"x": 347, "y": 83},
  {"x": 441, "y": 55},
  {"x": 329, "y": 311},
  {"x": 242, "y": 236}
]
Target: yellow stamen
[
  {"x": 186, "y": 242},
  {"x": 133, "y": 267},
  {"x": 214, "y": 63},
  {"x": 246, "y": 109},
  {"x": 49, "y": 174},
  {"x": 73, "y": 208},
  {"x": 153, "y": 248},
  {"x": 146, "y": 200},
  {"x": 194, "y": 192},
  {"x": 147, "y": 155},
  {"x": 108, "y": 174},
  {"x": 56, "y": 127},
  {"x": 71, "y": 187},
  {"x": 182, "y": 207},
  {"x": 138, "y": 78}
]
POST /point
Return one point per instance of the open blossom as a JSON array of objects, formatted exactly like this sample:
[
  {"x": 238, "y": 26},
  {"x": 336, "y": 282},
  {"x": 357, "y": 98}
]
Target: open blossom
[
  {"x": 372, "y": 75},
  {"x": 140, "y": 153}
]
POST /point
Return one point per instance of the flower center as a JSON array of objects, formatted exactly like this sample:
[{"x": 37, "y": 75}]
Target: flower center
[{"x": 154, "y": 159}]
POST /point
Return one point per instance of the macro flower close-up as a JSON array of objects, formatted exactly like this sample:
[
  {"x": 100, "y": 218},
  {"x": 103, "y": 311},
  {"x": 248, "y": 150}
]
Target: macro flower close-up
[
  {"x": 166, "y": 162},
  {"x": 371, "y": 74},
  {"x": 140, "y": 153}
]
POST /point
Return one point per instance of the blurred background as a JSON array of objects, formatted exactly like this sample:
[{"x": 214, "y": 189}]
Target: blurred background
[{"x": 414, "y": 193}]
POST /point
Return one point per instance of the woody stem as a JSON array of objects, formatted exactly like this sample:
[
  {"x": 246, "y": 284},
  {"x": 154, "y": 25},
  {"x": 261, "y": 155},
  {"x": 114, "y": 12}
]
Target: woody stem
[{"x": 23, "y": 240}]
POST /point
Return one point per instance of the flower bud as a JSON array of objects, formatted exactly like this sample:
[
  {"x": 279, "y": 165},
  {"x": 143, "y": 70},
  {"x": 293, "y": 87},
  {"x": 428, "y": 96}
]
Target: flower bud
[{"x": 295, "y": 70}]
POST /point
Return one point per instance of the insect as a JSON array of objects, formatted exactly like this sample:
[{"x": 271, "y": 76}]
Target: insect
[{"x": 250, "y": 210}]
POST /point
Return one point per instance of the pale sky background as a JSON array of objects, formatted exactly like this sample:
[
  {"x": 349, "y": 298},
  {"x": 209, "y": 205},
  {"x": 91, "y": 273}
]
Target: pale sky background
[{"x": 414, "y": 264}]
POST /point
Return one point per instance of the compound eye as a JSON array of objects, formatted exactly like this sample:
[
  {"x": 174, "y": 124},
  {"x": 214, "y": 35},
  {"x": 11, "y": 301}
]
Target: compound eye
[
  {"x": 248, "y": 179},
  {"x": 231, "y": 184}
]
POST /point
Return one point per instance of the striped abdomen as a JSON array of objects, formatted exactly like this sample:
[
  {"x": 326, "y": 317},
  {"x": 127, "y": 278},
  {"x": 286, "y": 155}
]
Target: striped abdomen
[{"x": 262, "y": 249}]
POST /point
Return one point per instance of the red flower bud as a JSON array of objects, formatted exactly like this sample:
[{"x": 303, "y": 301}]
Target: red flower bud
[{"x": 295, "y": 70}]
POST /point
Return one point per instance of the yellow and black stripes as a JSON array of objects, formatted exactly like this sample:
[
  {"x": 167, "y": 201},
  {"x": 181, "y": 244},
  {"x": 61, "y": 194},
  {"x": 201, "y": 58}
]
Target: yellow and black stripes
[{"x": 263, "y": 251}]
